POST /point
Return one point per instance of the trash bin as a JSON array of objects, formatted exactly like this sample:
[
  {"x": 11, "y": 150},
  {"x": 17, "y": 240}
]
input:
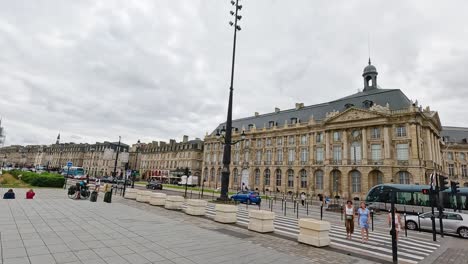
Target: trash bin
[{"x": 93, "y": 197}]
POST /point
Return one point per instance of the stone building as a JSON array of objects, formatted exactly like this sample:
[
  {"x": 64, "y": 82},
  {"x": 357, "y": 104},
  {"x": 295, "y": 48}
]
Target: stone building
[
  {"x": 342, "y": 147},
  {"x": 99, "y": 158},
  {"x": 455, "y": 154},
  {"x": 170, "y": 159}
]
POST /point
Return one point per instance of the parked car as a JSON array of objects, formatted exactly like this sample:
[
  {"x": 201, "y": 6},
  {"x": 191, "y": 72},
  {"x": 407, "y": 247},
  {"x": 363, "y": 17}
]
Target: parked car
[
  {"x": 107, "y": 179},
  {"x": 154, "y": 185},
  {"x": 247, "y": 197},
  {"x": 454, "y": 223},
  {"x": 122, "y": 182}
]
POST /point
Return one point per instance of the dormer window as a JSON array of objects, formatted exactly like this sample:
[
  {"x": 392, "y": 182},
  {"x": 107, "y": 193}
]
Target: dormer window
[
  {"x": 348, "y": 105},
  {"x": 271, "y": 124},
  {"x": 293, "y": 120},
  {"x": 250, "y": 127},
  {"x": 367, "y": 104}
]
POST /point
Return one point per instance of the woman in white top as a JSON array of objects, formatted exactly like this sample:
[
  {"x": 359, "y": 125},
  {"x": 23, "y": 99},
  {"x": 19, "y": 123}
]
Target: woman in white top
[
  {"x": 97, "y": 185},
  {"x": 398, "y": 225},
  {"x": 348, "y": 211}
]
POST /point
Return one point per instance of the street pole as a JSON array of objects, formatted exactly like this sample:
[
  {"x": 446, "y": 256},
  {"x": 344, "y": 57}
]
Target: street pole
[
  {"x": 116, "y": 158},
  {"x": 439, "y": 199},
  {"x": 227, "y": 147},
  {"x": 432, "y": 200},
  {"x": 125, "y": 181},
  {"x": 393, "y": 231},
  {"x": 186, "y": 181},
  {"x": 136, "y": 163}
]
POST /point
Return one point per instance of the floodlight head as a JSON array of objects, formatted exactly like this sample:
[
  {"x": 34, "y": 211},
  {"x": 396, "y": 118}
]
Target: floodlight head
[
  {"x": 230, "y": 23},
  {"x": 238, "y": 27},
  {"x": 231, "y": 12}
]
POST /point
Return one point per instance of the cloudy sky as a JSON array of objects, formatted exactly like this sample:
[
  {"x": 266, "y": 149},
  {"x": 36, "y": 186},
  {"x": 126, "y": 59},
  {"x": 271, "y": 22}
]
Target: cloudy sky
[{"x": 159, "y": 69}]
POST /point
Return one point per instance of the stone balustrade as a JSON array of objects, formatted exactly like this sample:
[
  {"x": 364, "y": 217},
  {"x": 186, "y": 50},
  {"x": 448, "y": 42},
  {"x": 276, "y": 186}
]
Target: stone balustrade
[
  {"x": 158, "y": 199},
  {"x": 261, "y": 221},
  {"x": 314, "y": 232},
  {"x": 196, "y": 207},
  {"x": 174, "y": 202},
  {"x": 131, "y": 194},
  {"x": 225, "y": 213},
  {"x": 143, "y": 196}
]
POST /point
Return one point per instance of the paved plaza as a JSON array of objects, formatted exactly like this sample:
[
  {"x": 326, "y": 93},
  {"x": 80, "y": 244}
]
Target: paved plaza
[{"x": 55, "y": 229}]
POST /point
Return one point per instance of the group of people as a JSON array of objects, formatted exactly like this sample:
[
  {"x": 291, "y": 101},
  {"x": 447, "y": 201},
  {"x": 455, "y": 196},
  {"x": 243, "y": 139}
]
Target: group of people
[
  {"x": 10, "y": 194},
  {"x": 363, "y": 218}
]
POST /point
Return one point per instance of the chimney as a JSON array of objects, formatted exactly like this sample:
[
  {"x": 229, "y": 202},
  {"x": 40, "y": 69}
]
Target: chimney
[
  {"x": 185, "y": 139},
  {"x": 277, "y": 110},
  {"x": 257, "y": 114},
  {"x": 299, "y": 106}
]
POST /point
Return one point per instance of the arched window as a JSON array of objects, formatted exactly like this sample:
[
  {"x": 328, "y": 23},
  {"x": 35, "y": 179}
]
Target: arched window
[
  {"x": 205, "y": 175},
  {"x": 303, "y": 174},
  {"x": 404, "y": 177},
  {"x": 257, "y": 177},
  {"x": 290, "y": 178},
  {"x": 218, "y": 175},
  {"x": 212, "y": 175},
  {"x": 356, "y": 152},
  {"x": 356, "y": 181},
  {"x": 267, "y": 177},
  {"x": 380, "y": 178},
  {"x": 319, "y": 180},
  {"x": 278, "y": 177},
  {"x": 235, "y": 174}
]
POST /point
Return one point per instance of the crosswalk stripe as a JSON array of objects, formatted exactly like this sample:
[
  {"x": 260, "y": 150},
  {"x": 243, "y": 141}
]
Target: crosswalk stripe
[{"x": 380, "y": 244}]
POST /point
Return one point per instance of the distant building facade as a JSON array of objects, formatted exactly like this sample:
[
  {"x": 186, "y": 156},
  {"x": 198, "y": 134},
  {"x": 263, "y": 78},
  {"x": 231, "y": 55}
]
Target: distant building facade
[
  {"x": 342, "y": 147},
  {"x": 455, "y": 154}
]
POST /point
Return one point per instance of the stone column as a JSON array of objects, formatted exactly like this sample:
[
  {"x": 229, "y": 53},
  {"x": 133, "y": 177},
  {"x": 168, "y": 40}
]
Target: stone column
[
  {"x": 345, "y": 147},
  {"x": 387, "y": 141},
  {"x": 364, "y": 146},
  {"x": 327, "y": 147},
  {"x": 429, "y": 145}
]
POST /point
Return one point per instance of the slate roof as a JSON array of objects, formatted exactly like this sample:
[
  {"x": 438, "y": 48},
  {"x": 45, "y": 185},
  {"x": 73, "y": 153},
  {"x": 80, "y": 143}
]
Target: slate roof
[
  {"x": 455, "y": 134},
  {"x": 394, "y": 97}
]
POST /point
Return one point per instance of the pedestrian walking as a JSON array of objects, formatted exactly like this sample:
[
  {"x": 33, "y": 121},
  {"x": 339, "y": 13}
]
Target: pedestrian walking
[
  {"x": 97, "y": 185},
  {"x": 30, "y": 194},
  {"x": 349, "y": 218},
  {"x": 303, "y": 198},
  {"x": 9, "y": 195},
  {"x": 398, "y": 225},
  {"x": 363, "y": 221}
]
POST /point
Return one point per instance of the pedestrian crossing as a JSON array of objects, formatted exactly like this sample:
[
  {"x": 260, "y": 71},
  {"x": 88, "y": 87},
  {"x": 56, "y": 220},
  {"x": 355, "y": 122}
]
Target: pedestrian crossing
[{"x": 410, "y": 249}]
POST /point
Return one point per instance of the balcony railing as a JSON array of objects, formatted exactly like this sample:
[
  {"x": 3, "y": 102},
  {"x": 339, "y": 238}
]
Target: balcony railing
[
  {"x": 278, "y": 163},
  {"x": 403, "y": 162},
  {"x": 318, "y": 162},
  {"x": 257, "y": 162},
  {"x": 377, "y": 162},
  {"x": 336, "y": 162},
  {"x": 354, "y": 162},
  {"x": 290, "y": 162},
  {"x": 304, "y": 162},
  {"x": 267, "y": 162}
]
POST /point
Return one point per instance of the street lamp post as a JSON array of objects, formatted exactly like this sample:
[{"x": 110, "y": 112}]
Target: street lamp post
[
  {"x": 228, "y": 132},
  {"x": 116, "y": 158},
  {"x": 136, "y": 162}
]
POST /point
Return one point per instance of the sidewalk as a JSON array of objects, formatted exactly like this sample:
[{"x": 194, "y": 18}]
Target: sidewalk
[{"x": 55, "y": 229}]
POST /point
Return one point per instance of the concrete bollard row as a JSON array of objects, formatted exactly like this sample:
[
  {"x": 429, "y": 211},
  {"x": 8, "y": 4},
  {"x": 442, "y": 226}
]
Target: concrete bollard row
[
  {"x": 131, "y": 194},
  {"x": 158, "y": 199},
  {"x": 143, "y": 196},
  {"x": 225, "y": 213},
  {"x": 196, "y": 207},
  {"x": 314, "y": 232},
  {"x": 261, "y": 221}
]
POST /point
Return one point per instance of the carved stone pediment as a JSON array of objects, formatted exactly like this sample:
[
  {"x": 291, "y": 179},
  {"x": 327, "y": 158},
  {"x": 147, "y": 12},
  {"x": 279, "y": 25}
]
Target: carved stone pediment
[{"x": 353, "y": 114}]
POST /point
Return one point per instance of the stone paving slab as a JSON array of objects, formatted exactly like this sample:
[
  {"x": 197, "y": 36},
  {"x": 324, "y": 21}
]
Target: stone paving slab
[{"x": 55, "y": 229}]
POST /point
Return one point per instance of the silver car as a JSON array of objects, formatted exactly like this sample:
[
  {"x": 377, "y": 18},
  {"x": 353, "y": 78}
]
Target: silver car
[{"x": 454, "y": 223}]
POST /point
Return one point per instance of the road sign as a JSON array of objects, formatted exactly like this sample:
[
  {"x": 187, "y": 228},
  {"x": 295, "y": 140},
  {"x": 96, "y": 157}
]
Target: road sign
[{"x": 69, "y": 164}]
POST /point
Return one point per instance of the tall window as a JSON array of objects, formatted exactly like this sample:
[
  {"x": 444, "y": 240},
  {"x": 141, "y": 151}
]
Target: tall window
[
  {"x": 319, "y": 180},
  {"x": 246, "y": 156},
  {"x": 319, "y": 154},
  {"x": 259, "y": 143},
  {"x": 336, "y": 136},
  {"x": 303, "y": 174},
  {"x": 212, "y": 175},
  {"x": 319, "y": 137},
  {"x": 236, "y": 156},
  {"x": 375, "y": 133},
  {"x": 291, "y": 140},
  {"x": 462, "y": 156},
  {"x": 290, "y": 178},
  {"x": 376, "y": 150},
  {"x": 208, "y": 157},
  {"x": 450, "y": 155},
  {"x": 304, "y": 155},
  {"x": 257, "y": 177},
  {"x": 268, "y": 156},
  {"x": 267, "y": 177},
  {"x": 268, "y": 142},
  {"x": 279, "y": 155},
  {"x": 304, "y": 140},
  {"x": 355, "y": 152},
  {"x": 291, "y": 154},
  {"x": 464, "y": 171},
  {"x": 278, "y": 177},
  {"x": 214, "y": 157},
  {"x": 235, "y": 175},
  {"x": 401, "y": 131},
  {"x": 336, "y": 153},
  {"x": 356, "y": 181},
  {"x": 451, "y": 168},
  {"x": 258, "y": 156},
  {"x": 279, "y": 141},
  {"x": 404, "y": 177},
  {"x": 247, "y": 143},
  {"x": 402, "y": 151},
  {"x": 336, "y": 180}
]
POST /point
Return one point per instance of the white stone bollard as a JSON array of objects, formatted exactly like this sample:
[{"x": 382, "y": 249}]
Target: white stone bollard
[
  {"x": 196, "y": 207},
  {"x": 225, "y": 213},
  {"x": 143, "y": 196},
  {"x": 158, "y": 199},
  {"x": 261, "y": 221},
  {"x": 174, "y": 202},
  {"x": 314, "y": 232},
  {"x": 131, "y": 194}
]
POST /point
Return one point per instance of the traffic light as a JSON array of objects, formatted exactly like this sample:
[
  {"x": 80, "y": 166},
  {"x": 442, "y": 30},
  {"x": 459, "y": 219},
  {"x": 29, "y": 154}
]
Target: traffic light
[
  {"x": 426, "y": 191},
  {"x": 455, "y": 187},
  {"x": 443, "y": 183}
]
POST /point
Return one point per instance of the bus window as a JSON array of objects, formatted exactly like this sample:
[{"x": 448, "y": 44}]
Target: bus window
[
  {"x": 403, "y": 197},
  {"x": 422, "y": 199}
]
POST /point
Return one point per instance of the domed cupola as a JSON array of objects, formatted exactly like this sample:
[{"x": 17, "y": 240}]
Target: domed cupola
[{"x": 370, "y": 77}]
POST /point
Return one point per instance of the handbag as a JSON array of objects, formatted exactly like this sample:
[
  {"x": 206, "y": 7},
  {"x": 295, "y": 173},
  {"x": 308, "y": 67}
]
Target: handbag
[{"x": 349, "y": 217}]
